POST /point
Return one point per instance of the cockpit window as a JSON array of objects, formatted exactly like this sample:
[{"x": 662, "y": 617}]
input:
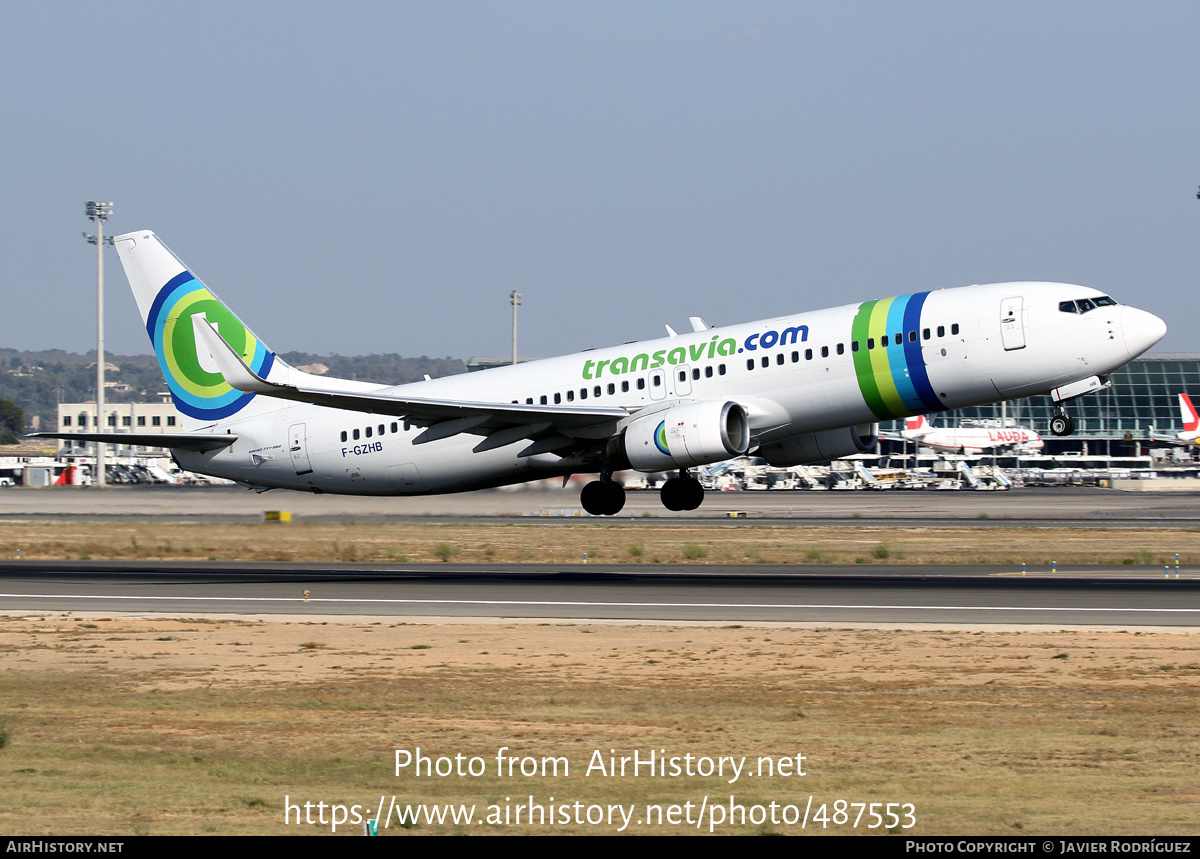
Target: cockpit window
[{"x": 1083, "y": 305}]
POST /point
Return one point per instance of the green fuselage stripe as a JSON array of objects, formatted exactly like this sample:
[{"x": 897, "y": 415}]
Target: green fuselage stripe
[{"x": 862, "y": 362}]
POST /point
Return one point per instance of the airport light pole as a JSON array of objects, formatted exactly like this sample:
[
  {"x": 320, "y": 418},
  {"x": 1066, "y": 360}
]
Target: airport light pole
[
  {"x": 515, "y": 298},
  {"x": 98, "y": 212}
]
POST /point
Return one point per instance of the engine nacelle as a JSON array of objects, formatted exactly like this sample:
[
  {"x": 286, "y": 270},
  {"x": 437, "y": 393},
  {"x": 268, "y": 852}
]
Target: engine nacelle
[
  {"x": 819, "y": 446},
  {"x": 695, "y": 434}
]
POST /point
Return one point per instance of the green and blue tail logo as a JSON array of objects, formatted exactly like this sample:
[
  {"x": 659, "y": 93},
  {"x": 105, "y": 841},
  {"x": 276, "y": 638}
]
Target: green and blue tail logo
[{"x": 200, "y": 393}]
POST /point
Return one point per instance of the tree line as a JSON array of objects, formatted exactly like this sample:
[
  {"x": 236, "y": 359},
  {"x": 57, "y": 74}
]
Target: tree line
[{"x": 34, "y": 382}]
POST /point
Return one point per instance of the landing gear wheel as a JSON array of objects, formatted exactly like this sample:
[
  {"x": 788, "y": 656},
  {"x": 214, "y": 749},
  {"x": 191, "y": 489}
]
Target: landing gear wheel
[
  {"x": 603, "y": 498},
  {"x": 682, "y": 493},
  {"x": 1061, "y": 424}
]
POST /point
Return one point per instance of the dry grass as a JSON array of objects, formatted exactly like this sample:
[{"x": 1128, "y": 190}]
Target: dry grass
[
  {"x": 193, "y": 726},
  {"x": 602, "y": 542}
]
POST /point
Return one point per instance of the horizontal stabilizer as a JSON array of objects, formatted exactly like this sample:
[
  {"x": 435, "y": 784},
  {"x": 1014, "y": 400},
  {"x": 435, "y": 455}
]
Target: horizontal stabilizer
[
  {"x": 200, "y": 441},
  {"x": 416, "y": 409}
]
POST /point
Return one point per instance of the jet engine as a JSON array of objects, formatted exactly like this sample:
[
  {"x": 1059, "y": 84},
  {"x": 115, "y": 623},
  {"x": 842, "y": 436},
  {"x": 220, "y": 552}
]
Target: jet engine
[
  {"x": 819, "y": 446},
  {"x": 694, "y": 434}
]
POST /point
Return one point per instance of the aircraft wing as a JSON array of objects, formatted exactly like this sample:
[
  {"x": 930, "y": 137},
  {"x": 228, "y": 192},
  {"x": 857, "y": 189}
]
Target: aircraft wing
[
  {"x": 200, "y": 441},
  {"x": 443, "y": 417}
]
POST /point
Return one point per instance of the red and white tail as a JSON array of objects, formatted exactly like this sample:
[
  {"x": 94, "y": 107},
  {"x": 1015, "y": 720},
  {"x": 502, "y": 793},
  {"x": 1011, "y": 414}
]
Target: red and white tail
[
  {"x": 916, "y": 424},
  {"x": 1187, "y": 413}
]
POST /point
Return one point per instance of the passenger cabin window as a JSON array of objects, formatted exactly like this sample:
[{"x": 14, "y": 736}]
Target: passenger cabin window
[
  {"x": 344, "y": 436},
  {"x": 557, "y": 399},
  {"x": 641, "y": 383},
  {"x": 883, "y": 341},
  {"x": 954, "y": 328},
  {"x": 824, "y": 351},
  {"x": 356, "y": 435},
  {"x": 941, "y": 331},
  {"x": 368, "y": 432},
  {"x": 612, "y": 389},
  {"x": 841, "y": 349},
  {"x": 625, "y": 387}
]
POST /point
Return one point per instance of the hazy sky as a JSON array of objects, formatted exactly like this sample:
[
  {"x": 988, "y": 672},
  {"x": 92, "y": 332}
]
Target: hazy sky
[{"x": 376, "y": 177}]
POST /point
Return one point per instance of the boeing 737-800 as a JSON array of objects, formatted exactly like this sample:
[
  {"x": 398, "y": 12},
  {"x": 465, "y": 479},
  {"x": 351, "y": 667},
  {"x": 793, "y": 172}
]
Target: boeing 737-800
[{"x": 792, "y": 390}]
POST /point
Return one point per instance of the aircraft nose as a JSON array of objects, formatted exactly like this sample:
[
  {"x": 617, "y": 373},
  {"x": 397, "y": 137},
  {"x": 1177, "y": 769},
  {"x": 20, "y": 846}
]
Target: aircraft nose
[{"x": 1141, "y": 329}]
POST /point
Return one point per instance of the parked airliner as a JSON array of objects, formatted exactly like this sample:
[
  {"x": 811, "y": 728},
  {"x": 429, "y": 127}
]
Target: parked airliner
[
  {"x": 1191, "y": 424},
  {"x": 971, "y": 437},
  {"x": 794, "y": 389}
]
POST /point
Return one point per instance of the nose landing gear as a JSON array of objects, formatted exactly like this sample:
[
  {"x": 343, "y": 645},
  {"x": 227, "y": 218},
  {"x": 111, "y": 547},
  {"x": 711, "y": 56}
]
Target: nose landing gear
[{"x": 1061, "y": 423}]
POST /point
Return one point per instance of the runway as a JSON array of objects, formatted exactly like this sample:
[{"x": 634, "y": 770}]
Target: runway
[
  {"x": 958, "y": 594},
  {"x": 1059, "y": 506}
]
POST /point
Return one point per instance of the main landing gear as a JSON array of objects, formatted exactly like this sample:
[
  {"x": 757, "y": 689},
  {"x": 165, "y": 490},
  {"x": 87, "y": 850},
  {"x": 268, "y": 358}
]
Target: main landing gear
[
  {"x": 1061, "y": 423},
  {"x": 682, "y": 493},
  {"x": 604, "y": 497}
]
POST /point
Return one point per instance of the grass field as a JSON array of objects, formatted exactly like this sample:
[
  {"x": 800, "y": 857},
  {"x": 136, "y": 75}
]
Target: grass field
[{"x": 610, "y": 543}]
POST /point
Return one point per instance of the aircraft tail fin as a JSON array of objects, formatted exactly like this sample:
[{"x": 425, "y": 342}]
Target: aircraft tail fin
[
  {"x": 917, "y": 423},
  {"x": 1187, "y": 413},
  {"x": 171, "y": 300}
]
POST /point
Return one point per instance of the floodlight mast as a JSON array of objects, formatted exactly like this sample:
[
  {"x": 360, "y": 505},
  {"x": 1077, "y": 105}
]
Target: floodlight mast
[
  {"x": 515, "y": 298},
  {"x": 98, "y": 212}
]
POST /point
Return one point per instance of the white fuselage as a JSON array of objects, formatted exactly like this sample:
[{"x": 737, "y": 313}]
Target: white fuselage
[{"x": 792, "y": 375}]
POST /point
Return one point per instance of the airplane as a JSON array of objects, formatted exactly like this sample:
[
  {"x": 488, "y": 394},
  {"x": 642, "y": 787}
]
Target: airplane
[
  {"x": 794, "y": 389},
  {"x": 1191, "y": 424},
  {"x": 970, "y": 437}
]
